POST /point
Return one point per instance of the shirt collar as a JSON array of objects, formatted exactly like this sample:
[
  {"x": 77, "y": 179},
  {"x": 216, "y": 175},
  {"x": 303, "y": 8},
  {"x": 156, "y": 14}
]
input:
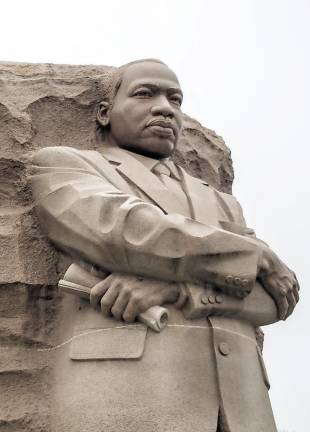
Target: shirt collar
[{"x": 150, "y": 163}]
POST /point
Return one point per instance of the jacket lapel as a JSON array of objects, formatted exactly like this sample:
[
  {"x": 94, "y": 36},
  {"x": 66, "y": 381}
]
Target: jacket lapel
[
  {"x": 145, "y": 180},
  {"x": 104, "y": 168},
  {"x": 202, "y": 199}
]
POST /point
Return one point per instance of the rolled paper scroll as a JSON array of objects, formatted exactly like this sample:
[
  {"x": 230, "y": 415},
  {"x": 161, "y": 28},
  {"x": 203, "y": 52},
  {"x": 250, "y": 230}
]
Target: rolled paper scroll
[
  {"x": 156, "y": 318},
  {"x": 79, "y": 281}
]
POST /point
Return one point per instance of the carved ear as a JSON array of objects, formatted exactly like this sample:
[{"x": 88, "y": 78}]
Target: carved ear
[{"x": 103, "y": 112}]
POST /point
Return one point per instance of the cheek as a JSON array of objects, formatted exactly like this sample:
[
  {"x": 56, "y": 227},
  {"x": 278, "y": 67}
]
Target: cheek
[
  {"x": 125, "y": 128},
  {"x": 130, "y": 116},
  {"x": 119, "y": 122},
  {"x": 179, "y": 119}
]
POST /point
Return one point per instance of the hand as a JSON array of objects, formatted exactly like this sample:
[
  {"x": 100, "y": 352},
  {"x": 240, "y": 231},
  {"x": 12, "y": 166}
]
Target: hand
[
  {"x": 126, "y": 296},
  {"x": 280, "y": 282}
]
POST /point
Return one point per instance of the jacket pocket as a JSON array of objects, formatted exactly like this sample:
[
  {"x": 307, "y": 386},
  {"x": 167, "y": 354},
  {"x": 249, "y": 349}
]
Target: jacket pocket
[{"x": 114, "y": 343}]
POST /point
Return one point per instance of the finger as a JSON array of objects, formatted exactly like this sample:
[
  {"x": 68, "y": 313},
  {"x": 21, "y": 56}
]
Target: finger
[
  {"x": 132, "y": 309},
  {"x": 283, "y": 291},
  {"x": 99, "y": 290},
  {"x": 182, "y": 296},
  {"x": 291, "y": 303},
  {"x": 297, "y": 283},
  {"x": 109, "y": 298},
  {"x": 278, "y": 295},
  {"x": 296, "y": 288},
  {"x": 296, "y": 294},
  {"x": 282, "y": 305},
  {"x": 120, "y": 304}
]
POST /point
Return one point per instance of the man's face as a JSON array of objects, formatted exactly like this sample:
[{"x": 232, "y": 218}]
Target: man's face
[{"x": 146, "y": 115}]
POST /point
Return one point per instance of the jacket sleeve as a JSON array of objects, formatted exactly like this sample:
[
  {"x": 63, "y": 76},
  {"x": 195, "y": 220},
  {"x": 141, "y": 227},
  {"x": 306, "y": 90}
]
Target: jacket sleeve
[{"x": 85, "y": 215}]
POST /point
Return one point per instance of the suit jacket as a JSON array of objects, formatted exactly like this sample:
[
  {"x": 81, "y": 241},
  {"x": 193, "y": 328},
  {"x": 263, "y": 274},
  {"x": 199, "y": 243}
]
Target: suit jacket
[{"x": 111, "y": 211}]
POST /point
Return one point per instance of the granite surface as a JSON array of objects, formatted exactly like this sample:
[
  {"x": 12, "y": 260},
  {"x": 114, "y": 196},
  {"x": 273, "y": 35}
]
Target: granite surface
[{"x": 46, "y": 105}]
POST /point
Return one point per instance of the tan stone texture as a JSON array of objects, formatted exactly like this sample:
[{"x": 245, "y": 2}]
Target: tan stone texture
[{"x": 45, "y": 105}]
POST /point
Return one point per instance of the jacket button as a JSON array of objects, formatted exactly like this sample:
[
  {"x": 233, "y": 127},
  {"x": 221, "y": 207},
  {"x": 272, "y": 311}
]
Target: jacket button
[
  {"x": 229, "y": 279},
  {"x": 241, "y": 294},
  {"x": 204, "y": 299},
  {"x": 224, "y": 348},
  {"x": 211, "y": 299},
  {"x": 219, "y": 299}
]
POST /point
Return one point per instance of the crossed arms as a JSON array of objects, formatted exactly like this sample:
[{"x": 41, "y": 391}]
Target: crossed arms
[{"x": 85, "y": 214}]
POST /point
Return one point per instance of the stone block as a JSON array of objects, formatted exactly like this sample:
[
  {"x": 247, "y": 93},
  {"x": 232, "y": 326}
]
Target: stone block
[{"x": 53, "y": 105}]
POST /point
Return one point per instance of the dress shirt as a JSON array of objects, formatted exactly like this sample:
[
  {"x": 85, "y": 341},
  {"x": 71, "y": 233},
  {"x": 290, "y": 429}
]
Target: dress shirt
[{"x": 168, "y": 174}]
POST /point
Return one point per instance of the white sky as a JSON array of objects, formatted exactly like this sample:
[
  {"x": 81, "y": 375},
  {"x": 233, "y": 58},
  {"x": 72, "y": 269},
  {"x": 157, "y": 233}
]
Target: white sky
[{"x": 244, "y": 67}]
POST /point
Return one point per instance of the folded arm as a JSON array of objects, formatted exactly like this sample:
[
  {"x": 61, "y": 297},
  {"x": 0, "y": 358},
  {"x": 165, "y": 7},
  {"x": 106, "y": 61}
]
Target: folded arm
[
  {"x": 273, "y": 275},
  {"x": 85, "y": 214},
  {"x": 88, "y": 217},
  {"x": 126, "y": 296}
]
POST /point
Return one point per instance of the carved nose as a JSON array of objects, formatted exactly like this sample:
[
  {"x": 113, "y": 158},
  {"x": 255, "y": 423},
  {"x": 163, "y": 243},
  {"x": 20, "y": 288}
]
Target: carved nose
[{"x": 163, "y": 109}]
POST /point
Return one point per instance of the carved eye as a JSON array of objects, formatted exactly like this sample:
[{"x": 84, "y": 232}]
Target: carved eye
[
  {"x": 143, "y": 93},
  {"x": 176, "y": 99}
]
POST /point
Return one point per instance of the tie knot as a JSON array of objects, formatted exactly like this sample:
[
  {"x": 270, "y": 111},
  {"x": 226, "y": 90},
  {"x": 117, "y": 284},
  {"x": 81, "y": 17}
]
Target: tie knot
[{"x": 161, "y": 168}]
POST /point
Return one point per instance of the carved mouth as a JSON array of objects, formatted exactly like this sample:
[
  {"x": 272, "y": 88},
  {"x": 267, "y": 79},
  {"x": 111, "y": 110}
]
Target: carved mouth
[{"x": 161, "y": 127}]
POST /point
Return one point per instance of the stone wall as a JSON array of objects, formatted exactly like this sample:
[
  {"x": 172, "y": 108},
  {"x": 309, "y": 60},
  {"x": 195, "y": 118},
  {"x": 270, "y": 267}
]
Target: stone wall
[{"x": 46, "y": 105}]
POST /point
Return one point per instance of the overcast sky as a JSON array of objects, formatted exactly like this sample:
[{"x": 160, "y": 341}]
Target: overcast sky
[{"x": 244, "y": 69}]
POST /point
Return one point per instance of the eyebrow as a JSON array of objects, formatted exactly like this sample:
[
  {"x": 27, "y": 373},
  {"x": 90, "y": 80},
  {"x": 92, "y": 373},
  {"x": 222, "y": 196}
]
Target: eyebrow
[{"x": 155, "y": 87}]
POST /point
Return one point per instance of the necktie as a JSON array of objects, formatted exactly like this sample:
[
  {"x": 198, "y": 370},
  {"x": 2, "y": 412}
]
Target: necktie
[
  {"x": 161, "y": 169},
  {"x": 163, "y": 172}
]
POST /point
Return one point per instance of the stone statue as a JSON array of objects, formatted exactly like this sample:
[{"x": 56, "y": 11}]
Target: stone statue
[{"x": 155, "y": 236}]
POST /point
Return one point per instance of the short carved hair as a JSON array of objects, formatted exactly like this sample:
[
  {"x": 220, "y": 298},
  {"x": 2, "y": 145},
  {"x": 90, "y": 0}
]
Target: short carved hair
[
  {"x": 114, "y": 85},
  {"x": 121, "y": 70}
]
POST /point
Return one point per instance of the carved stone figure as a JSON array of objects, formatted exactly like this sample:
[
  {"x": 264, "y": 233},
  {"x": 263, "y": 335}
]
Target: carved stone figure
[{"x": 156, "y": 236}]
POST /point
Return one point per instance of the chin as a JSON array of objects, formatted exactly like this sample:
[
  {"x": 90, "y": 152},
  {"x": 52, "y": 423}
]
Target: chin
[{"x": 159, "y": 149}]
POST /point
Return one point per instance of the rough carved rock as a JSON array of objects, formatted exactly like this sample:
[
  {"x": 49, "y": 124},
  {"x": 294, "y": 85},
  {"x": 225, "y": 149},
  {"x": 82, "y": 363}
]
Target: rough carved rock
[{"x": 46, "y": 105}]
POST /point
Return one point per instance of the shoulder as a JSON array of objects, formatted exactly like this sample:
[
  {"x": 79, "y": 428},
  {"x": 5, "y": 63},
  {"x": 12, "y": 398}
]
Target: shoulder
[
  {"x": 46, "y": 154},
  {"x": 230, "y": 207},
  {"x": 227, "y": 198},
  {"x": 223, "y": 196},
  {"x": 64, "y": 156}
]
